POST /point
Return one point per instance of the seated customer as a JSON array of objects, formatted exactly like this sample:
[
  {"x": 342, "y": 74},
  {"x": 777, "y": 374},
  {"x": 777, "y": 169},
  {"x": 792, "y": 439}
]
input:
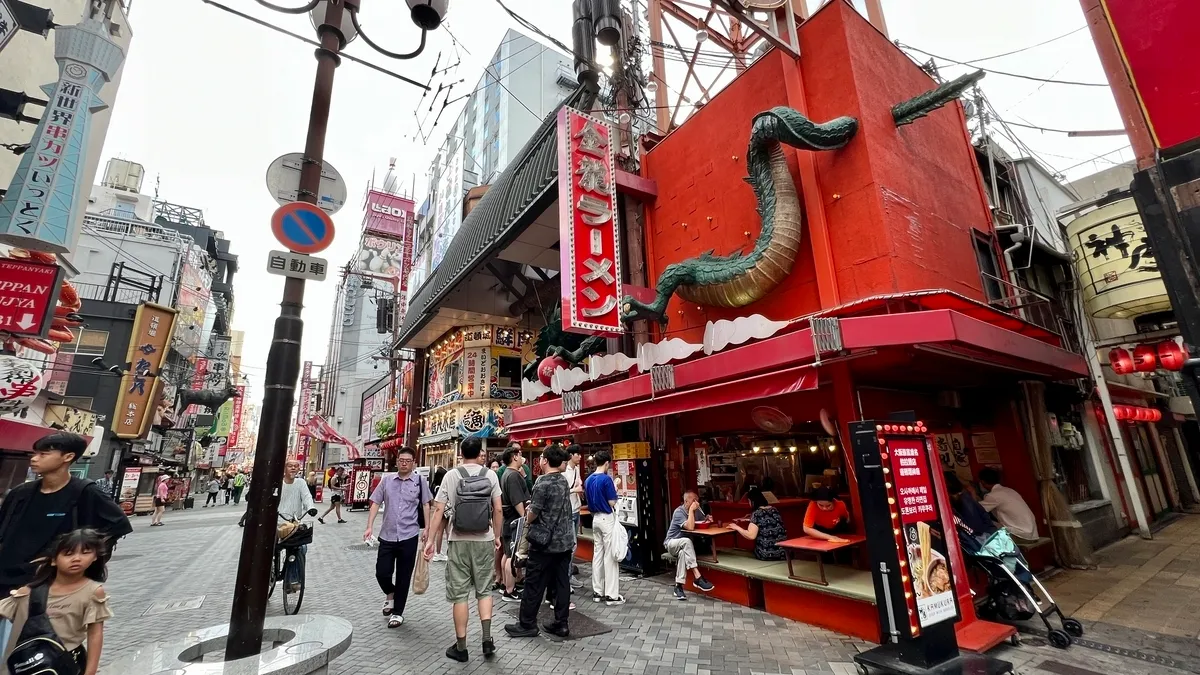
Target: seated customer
[
  {"x": 973, "y": 519},
  {"x": 827, "y": 516},
  {"x": 677, "y": 544},
  {"x": 766, "y": 527},
  {"x": 1007, "y": 507}
]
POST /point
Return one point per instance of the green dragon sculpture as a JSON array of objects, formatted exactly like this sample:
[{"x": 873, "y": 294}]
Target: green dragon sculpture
[
  {"x": 738, "y": 279},
  {"x": 552, "y": 340}
]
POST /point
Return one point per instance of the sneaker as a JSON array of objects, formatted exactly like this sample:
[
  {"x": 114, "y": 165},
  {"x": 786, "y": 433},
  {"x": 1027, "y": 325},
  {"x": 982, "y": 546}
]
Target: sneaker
[
  {"x": 703, "y": 584},
  {"x": 395, "y": 620},
  {"x": 489, "y": 649},
  {"x": 453, "y": 652},
  {"x": 510, "y": 597},
  {"x": 321, "y": 521},
  {"x": 678, "y": 593},
  {"x": 558, "y": 631},
  {"x": 517, "y": 630},
  {"x": 597, "y": 597},
  {"x": 439, "y": 557},
  {"x": 343, "y": 521},
  {"x": 387, "y": 606},
  {"x": 612, "y": 602},
  {"x": 576, "y": 583}
]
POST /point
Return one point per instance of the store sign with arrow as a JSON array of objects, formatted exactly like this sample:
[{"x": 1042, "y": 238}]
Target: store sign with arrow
[{"x": 28, "y": 295}]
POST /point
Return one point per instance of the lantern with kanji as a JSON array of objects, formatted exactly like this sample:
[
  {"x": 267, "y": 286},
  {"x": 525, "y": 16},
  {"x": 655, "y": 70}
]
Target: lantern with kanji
[
  {"x": 1170, "y": 355},
  {"x": 1145, "y": 358},
  {"x": 547, "y": 367},
  {"x": 1141, "y": 414},
  {"x": 1121, "y": 361}
]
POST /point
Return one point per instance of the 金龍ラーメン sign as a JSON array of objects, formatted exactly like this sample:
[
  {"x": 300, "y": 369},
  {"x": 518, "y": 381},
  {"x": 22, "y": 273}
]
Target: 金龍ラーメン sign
[
  {"x": 140, "y": 386},
  {"x": 589, "y": 234},
  {"x": 928, "y": 586}
]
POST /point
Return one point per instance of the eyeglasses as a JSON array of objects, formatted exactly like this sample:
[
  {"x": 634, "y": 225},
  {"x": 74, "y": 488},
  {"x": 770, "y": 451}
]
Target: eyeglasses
[{"x": 403, "y": 461}]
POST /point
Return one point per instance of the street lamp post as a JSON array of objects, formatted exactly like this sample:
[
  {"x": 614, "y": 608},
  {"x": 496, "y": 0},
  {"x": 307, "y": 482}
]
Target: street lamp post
[{"x": 283, "y": 361}]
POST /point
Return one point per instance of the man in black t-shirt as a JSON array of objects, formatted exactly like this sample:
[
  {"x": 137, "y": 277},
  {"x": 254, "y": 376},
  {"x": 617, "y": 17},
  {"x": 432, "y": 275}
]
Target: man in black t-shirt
[{"x": 514, "y": 494}]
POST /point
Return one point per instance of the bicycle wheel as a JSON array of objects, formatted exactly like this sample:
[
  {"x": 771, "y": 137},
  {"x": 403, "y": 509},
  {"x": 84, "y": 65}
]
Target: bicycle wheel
[
  {"x": 275, "y": 571},
  {"x": 293, "y": 568}
]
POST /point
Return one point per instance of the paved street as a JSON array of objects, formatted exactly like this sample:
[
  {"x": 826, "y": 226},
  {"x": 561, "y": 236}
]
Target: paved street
[{"x": 194, "y": 557}]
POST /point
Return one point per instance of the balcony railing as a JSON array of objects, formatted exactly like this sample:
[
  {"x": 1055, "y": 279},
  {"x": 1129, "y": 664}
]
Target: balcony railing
[
  {"x": 132, "y": 296},
  {"x": 1039, "y": 310},
  {"x": 121, "y": 227}
]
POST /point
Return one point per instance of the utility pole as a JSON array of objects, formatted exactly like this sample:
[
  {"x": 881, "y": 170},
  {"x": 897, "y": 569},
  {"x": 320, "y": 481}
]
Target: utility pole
[{"x": 283, "y": 367}]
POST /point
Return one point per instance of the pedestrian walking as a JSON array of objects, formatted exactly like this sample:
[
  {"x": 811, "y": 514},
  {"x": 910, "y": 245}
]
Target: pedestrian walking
[
  {"x": 551, "y": 538},
  {"x": 601, "y": 495},
  {"x": 337, "y": 485},
  {"x": 438, "y": 476},
  {"x": 471, "y": 493},
  {"x": 239, "y": 484},
  {"x": 162, "y": 495},
  {"x": 405, "y": 497},
  {"x": 226, "y": 487},
  {"x": 106, "y": 484},
  {"x": 513, "y": 498},
  {"x": 34, "y": 514},
  {"x": 214, "y": 488},
  {"x": 67, "y": 592}
]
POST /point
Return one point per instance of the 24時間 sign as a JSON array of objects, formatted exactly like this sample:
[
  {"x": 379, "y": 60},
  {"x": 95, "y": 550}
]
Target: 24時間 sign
[
  {"x": 28, "y": 294},
  {"x": 589, "y": 234}
]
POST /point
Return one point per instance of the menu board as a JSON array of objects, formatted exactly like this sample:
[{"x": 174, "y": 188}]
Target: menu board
[
  {"x": 929, "y": 585},
  {"x": 129, "y": 488},
  {"x": 626, "y": 478}
]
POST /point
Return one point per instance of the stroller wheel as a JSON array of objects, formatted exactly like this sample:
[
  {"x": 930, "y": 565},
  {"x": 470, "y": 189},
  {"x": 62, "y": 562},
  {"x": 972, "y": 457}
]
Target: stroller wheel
[
  {"x": 1073, "y": 627},
  {"x": 1060, "y": 639},
  {"x": 1015, "y": 640}
]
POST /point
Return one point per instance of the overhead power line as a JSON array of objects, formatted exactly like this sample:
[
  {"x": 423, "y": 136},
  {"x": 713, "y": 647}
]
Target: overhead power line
[
  {"x": 1025, "y": 49},
  {"x": 1001, "y": 72}
]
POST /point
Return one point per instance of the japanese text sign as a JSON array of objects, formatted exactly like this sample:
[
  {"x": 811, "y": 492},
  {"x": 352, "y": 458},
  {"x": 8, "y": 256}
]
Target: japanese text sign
[
  {"x": 305, "y": 394},
  {"x": 8, "y": 23},
  {"x": 297, "y": 265},
  {"x": 388, "y": 214},
  {"x": 928, "y": 586},
  {"x": 236, "y": 427},
  {"x": 589, "y": 230},
  {"x": 28, "y": 294},
  {"x": 153, "y": 326}
]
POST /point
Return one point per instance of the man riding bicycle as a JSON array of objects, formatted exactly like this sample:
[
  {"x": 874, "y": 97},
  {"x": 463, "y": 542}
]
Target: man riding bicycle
[{"x": 295, "y": 502}]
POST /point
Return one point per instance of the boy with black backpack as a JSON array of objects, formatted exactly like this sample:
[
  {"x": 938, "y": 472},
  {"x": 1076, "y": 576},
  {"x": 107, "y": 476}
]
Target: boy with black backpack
[{"x": 469, "y": 501}]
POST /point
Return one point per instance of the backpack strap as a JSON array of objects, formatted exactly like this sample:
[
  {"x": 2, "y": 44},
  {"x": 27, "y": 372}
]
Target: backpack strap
[
  {"x": 462, "y": 471},
  {"x": 76, "y": 487},
  {"x": 38, "y": 597}
]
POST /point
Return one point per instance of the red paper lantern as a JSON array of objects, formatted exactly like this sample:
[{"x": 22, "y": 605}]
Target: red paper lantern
[
  {"x": 1145, "y": 358},
  {"x": 1121, "y": 361},
  {"x": 1120, "y": 412},
  {"x": 1142, "y": 414},
  {"x": 1170, "y": 355},
  {"x": 1155, "y": 415},
  {"x": 547, "y": 367}
]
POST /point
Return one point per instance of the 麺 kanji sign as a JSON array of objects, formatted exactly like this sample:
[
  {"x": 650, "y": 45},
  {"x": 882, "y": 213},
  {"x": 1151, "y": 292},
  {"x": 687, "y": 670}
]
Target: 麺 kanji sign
[
  {"x": 28, "y": 293},
  {"x": 288, "y": 264},
  {"x": 589, "y": 234}
]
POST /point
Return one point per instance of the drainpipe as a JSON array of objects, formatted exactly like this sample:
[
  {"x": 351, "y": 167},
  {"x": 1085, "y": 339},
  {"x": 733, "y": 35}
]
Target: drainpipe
[{"x": 1114, "y": 429}]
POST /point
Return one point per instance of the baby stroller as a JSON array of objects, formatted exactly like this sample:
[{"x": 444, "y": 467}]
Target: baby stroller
[{"x": 1014, "y": 593}]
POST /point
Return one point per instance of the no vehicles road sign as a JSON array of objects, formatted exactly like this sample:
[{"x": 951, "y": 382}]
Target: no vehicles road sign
[{"x": 302, "y": 227}]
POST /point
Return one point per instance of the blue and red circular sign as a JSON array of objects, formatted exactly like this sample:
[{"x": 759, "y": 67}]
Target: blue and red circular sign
[{"x": 302, "y": 227}]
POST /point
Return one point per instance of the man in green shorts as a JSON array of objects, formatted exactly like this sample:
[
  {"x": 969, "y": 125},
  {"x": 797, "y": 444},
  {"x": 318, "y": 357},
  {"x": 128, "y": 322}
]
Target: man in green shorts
[{"x": 471, "y": 494}]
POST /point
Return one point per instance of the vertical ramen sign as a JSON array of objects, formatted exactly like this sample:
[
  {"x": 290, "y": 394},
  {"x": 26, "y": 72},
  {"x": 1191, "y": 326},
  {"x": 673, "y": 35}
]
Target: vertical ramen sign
[{"x": 589, "y": 234}]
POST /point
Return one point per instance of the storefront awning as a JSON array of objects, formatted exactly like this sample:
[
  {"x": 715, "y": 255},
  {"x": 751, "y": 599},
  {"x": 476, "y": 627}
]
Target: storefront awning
[
  {"x": 20, "y": 437},
  {"x": 787, "y": 363}
]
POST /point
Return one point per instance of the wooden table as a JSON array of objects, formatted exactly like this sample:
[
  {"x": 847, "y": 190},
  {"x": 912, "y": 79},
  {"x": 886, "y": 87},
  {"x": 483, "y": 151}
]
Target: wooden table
[
  {"x": 712, "y": 533},
  {"x": 818, "y": 546}
]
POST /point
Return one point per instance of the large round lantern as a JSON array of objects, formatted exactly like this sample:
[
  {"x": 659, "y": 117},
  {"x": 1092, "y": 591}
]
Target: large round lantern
[
  {"x": 1121, "y": 361},
  {"x": 20, "y": 382},
  {"x": 1145, "y": 358},
  {"x": 1170, "y": 355},
  {"x": 547, "y": 367}
]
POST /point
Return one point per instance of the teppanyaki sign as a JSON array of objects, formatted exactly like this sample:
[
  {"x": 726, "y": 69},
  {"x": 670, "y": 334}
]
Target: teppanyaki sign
[
  {"x": 28, "y": 294},
  {"x": 589, "y": 234}
]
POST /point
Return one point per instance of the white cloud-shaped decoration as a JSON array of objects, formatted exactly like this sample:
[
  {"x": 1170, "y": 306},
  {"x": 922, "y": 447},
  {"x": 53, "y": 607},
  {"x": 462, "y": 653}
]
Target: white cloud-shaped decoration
[
  {"x": 661, "y": 353},
  {"x": 607, "y": 364},
  {"x": 720, "y": 334},
  {"x": 531, "y": 390},
  {"x": 566, "y": 380}
]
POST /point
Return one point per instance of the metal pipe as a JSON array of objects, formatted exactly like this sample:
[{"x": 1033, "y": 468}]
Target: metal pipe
[{"x": 283, "y": 368}]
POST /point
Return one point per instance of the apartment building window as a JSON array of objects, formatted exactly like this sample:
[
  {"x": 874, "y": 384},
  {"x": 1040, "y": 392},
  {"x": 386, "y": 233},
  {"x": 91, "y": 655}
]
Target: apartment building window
[
  {"x": 508, "y": 372},
  {"x": 87, "y": 342},
  {"x": 989, "y": 268},
  {"x": 451, "y": 377}
]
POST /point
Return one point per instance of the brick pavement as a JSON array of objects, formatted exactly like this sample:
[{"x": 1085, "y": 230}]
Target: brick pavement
[{"x": 196, "y": 554}]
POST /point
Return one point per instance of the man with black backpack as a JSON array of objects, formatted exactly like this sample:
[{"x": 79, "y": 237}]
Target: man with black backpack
[
  {"x": 34, "y": 514},
  {"x": 469, "y": 500}
]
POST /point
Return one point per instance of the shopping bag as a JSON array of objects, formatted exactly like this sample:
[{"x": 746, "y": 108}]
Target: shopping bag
[
  {"x": 420, "y": 582},
  {"x": 620, "y": 542}
]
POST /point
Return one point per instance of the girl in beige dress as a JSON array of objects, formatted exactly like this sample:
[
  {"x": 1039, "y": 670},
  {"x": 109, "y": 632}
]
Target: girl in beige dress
[{"x": 77, "y": 605}]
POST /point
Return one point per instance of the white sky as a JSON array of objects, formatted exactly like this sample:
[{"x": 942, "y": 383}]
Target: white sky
[{"x": 208, "y": 99}]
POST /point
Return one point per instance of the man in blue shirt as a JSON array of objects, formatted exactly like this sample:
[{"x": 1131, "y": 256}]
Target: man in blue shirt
[{"x": 602, "y": 501}]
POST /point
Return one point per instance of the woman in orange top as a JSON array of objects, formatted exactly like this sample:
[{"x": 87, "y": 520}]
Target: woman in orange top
[{"x": 827, "y": 516}]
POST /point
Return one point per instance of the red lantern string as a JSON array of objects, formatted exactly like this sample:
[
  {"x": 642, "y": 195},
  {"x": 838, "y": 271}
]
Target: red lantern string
[
  {"x": 1121, "y": 361},
  {"x": 1145, "y": 358}
]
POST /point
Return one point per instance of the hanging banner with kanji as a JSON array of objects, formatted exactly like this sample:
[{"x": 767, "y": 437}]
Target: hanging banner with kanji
[
  {"x": 589, "y": 230},
  {"x": 153, "y": 326},
  {"x": 40, "y": 208}
]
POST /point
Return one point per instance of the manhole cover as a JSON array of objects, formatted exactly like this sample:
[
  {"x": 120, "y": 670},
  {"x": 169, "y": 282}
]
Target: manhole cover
[{"x": 165, "y": 606}]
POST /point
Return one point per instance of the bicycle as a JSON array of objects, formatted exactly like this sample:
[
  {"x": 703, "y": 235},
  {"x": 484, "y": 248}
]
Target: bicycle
[{"x": 290, "y": 562}]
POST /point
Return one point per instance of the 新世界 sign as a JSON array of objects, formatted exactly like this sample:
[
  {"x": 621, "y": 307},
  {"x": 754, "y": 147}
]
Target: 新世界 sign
[{"x": 589, "y": 235}]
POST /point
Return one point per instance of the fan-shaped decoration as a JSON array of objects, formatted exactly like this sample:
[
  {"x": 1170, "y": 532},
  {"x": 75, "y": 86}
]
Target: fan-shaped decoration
[{"x": 772, "y": 420}]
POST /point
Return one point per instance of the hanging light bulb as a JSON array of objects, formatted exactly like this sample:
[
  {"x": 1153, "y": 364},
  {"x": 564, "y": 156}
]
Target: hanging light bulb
[
  {"x": 651, "y": 87},
  {"x": 701, "y": 36}
]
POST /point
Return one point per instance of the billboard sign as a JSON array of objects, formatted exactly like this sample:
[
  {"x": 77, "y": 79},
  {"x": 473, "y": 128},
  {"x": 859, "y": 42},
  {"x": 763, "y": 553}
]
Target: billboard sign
[
  {"x": 153, "y": 326},
  {"x": 1158, "y": 45},
  {"x": 388, "y": 215},
  {"x": 589, "y": 235},
  {"x": 28, "y": 294}
]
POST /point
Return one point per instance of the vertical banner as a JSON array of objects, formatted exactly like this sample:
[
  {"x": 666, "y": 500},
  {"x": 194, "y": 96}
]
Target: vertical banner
[
  {"x": 199, "y": 377},
  {"x": 153, "y": 326},
  {"x": 475, "y": 372},
  {"x": 236, "y": 427},
  {"x": 589, "y": 230}
]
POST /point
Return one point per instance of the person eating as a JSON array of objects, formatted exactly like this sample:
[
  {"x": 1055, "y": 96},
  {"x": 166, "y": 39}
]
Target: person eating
[{"x": 765, "y": 529}]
